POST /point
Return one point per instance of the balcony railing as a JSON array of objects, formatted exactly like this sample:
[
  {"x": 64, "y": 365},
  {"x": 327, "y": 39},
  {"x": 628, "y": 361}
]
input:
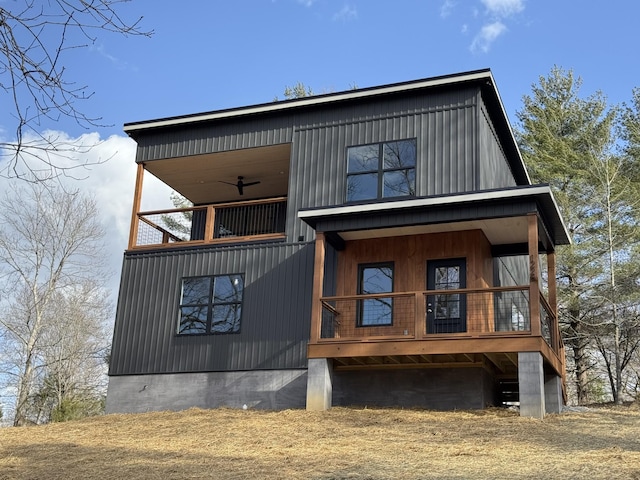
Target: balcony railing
[
  {"x": 434, "y": 313},
  {"x": 228, "y": 222}
]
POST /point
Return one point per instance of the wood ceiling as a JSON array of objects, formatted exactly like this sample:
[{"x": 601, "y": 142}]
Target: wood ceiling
[{"x": 199, "y": 178}]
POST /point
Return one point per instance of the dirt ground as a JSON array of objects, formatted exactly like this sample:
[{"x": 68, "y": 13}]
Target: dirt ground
[{"x": 340, "y": 443}]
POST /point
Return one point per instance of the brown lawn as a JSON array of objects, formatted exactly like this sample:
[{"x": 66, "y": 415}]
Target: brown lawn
[{"x": 337, "y": 444}]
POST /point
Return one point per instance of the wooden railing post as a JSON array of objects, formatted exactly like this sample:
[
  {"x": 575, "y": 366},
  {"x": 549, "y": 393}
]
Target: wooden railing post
[
  {"x": 421, "y": 315},
  {"x": 318, "y": 282},
  {"x": 137, "y": 195},
  {"x": 534, "y": 274},
  {"x": 209, "y": 232}
]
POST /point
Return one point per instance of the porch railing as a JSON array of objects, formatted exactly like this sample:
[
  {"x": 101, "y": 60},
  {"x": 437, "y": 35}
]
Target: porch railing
[
  {"x": 434, "y": 313},
  {"x": 227, "y": 222}
]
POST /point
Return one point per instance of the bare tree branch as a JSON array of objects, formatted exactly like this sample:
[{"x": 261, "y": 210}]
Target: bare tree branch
[{"x": 34, "y": 40}]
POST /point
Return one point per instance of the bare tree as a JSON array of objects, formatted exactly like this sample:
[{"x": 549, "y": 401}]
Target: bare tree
[
  {"x": 49, "y": 245},
  {"x": 35, "y": 39}
]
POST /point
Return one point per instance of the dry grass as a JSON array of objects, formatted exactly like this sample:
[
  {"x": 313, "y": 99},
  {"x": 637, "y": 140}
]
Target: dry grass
[{"x": 337, "y": 444}]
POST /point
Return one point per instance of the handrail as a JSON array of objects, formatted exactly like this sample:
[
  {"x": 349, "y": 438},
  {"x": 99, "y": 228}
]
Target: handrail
[
  {"x": 244, "y": 203},
  {"x": 227, "y": 222},
  {"x": 516, "y": 288}
]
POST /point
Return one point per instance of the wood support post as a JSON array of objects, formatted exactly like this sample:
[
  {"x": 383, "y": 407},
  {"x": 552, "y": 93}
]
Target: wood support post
[
  {"x": 553, "y": 299},
  {"x": 534, "y": 275},
  {"x": 208, "y": 225},
  {"x": 318, "y": 282},
  {"x": 137, "y": 198}
]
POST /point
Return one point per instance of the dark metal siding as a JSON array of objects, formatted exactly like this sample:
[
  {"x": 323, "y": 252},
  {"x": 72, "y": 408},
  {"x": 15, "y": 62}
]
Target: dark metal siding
[
  {"x": 278, "y": 277},
  {"x": 424, "y": 216},
  {"x": 444, "y": 126},
  {"x": 275, "y": 316},
  {"x": 493, "y": 166}
]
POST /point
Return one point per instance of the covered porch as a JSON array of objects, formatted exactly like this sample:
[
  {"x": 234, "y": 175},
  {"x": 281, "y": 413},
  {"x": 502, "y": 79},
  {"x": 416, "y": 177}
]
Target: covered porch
[{"x": 473, "y": 290}]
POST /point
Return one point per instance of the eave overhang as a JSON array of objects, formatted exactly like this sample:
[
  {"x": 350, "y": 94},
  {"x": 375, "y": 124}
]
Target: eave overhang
[
  {"x": 456, "y": 208},
  {"x": 480, "y": 78}
]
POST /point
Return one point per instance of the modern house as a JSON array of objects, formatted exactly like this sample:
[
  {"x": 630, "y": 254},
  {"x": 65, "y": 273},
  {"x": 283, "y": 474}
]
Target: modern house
[{"x": 377, "y": 247}]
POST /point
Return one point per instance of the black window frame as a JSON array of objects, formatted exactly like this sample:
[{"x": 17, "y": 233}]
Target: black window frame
[
  {"x": 360, "y": 307},
  {"x": 381, "y": 170},
  {"x": 210, "y": 305}
]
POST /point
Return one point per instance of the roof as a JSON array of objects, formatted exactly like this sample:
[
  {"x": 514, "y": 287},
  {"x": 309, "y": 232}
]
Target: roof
[
  {"x": 314, "y": 100},
  {"x": 482, "y": 78},
  {"x": 540, "y": 194}
]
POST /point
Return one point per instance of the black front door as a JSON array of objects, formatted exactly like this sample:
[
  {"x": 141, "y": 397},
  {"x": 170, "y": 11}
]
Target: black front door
[{"x": 446, "y": 313}]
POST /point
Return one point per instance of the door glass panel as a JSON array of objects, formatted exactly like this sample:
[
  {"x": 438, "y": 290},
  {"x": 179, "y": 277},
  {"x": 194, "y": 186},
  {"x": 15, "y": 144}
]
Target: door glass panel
[{"x": 446, "y": 313}]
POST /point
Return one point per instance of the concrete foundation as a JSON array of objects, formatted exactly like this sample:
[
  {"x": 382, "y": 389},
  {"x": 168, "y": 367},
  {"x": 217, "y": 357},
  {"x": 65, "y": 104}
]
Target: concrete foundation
[
  {"x": 531, "y": 384},
  {"x": 553, "y": 394},
  {"x": 263, "y": 389},
  {"x": 435, "y": 389},
  {"x": 319, "y": 384}
]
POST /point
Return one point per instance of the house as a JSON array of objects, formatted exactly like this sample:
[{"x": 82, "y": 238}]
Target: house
[{"x": 381, "y": 246}]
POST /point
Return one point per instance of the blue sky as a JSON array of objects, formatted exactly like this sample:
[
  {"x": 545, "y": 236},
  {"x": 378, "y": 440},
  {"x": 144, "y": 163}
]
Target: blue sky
[{"x": 208, "y": 55}]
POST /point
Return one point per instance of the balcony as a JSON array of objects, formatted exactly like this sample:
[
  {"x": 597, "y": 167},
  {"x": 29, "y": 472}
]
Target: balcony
[
  {"x": 427, "y": 328},
  {"x": 503, "y": 311},
  {"x": 254, "y": 220}
]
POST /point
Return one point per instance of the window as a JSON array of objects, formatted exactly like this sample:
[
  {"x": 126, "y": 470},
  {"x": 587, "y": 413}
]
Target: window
[
  {"x": 381, "y": 170},
  {"x": 373, "y": 279},
  {"x": 211, "y": 305}
]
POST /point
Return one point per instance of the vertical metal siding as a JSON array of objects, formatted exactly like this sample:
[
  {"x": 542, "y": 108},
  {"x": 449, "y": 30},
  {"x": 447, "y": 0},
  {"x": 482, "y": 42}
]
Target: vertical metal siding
[
  {"x": 275, "y": 317},
  {"x": 278, "y": 277},
  {"x": 492, "y": 162}
]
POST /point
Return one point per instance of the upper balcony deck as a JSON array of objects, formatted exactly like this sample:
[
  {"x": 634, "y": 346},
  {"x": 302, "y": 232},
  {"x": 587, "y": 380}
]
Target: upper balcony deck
[{"x": 210, "y": 224}]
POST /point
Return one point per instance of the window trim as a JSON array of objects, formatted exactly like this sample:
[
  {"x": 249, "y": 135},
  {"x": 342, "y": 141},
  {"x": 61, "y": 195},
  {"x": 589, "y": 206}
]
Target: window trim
[
  {"x": 381, "y": 170},
  {"x": 210, "y": 305},
  {"x": 360, "y": 303}
]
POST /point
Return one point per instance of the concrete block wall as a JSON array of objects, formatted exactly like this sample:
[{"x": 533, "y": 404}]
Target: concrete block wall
[{"x": 262, "y": 389}]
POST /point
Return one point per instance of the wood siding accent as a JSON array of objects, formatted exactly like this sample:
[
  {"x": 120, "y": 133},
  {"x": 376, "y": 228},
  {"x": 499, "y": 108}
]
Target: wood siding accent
[{"x": 410, "y": 255}]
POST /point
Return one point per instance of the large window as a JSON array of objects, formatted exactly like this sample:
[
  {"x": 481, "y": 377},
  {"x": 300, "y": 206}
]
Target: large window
[
  {"x": 377, "y": 278},
  {"x": 381, "y": 170},
  {"x": 211, "y": 305}
]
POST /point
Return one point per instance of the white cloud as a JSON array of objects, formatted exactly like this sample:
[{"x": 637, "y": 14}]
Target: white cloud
[
  {"x": 348, "y": 12},
  {"x": 487, "y": 35},
  {"x": 446, "y": 8},
  {"x": 503, "y": 8},
  {"x": 111, "y": 181}
]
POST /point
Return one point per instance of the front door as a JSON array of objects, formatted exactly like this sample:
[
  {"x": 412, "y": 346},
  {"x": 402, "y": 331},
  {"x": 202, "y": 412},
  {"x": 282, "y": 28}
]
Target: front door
[{"x": 446, "y": 313}]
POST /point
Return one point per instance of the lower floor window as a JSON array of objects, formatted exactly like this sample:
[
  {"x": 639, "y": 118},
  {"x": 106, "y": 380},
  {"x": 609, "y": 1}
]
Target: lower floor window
[
  {"x": 375, "y": 279},
  {"x": 211, "y": 304}
]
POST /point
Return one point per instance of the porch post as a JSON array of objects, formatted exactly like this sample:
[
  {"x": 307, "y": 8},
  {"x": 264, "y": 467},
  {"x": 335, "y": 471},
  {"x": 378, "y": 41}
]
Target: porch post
[
  {"x": 531, "y": 384},
  {"x": 137, "y": 196},
  {"x": 553, "y": 299},
  {"x": 534, "y": 275},
  {"x": 318, "y": 282}
]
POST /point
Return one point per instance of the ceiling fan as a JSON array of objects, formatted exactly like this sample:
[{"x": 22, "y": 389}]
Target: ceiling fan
[{"x": 240, "y": 184}]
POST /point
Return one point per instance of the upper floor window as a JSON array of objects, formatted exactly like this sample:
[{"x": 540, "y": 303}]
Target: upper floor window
[
  {"x": 381, "y": 170},
  {"x": 211, "y": 304}
]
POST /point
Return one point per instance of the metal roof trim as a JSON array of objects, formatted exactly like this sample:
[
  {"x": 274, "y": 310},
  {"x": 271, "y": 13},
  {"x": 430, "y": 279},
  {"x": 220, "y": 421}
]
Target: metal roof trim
[{"x": 314, "y": 100}]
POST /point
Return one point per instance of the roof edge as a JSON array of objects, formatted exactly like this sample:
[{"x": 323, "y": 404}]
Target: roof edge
[{"x": 451, "y": 79}]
